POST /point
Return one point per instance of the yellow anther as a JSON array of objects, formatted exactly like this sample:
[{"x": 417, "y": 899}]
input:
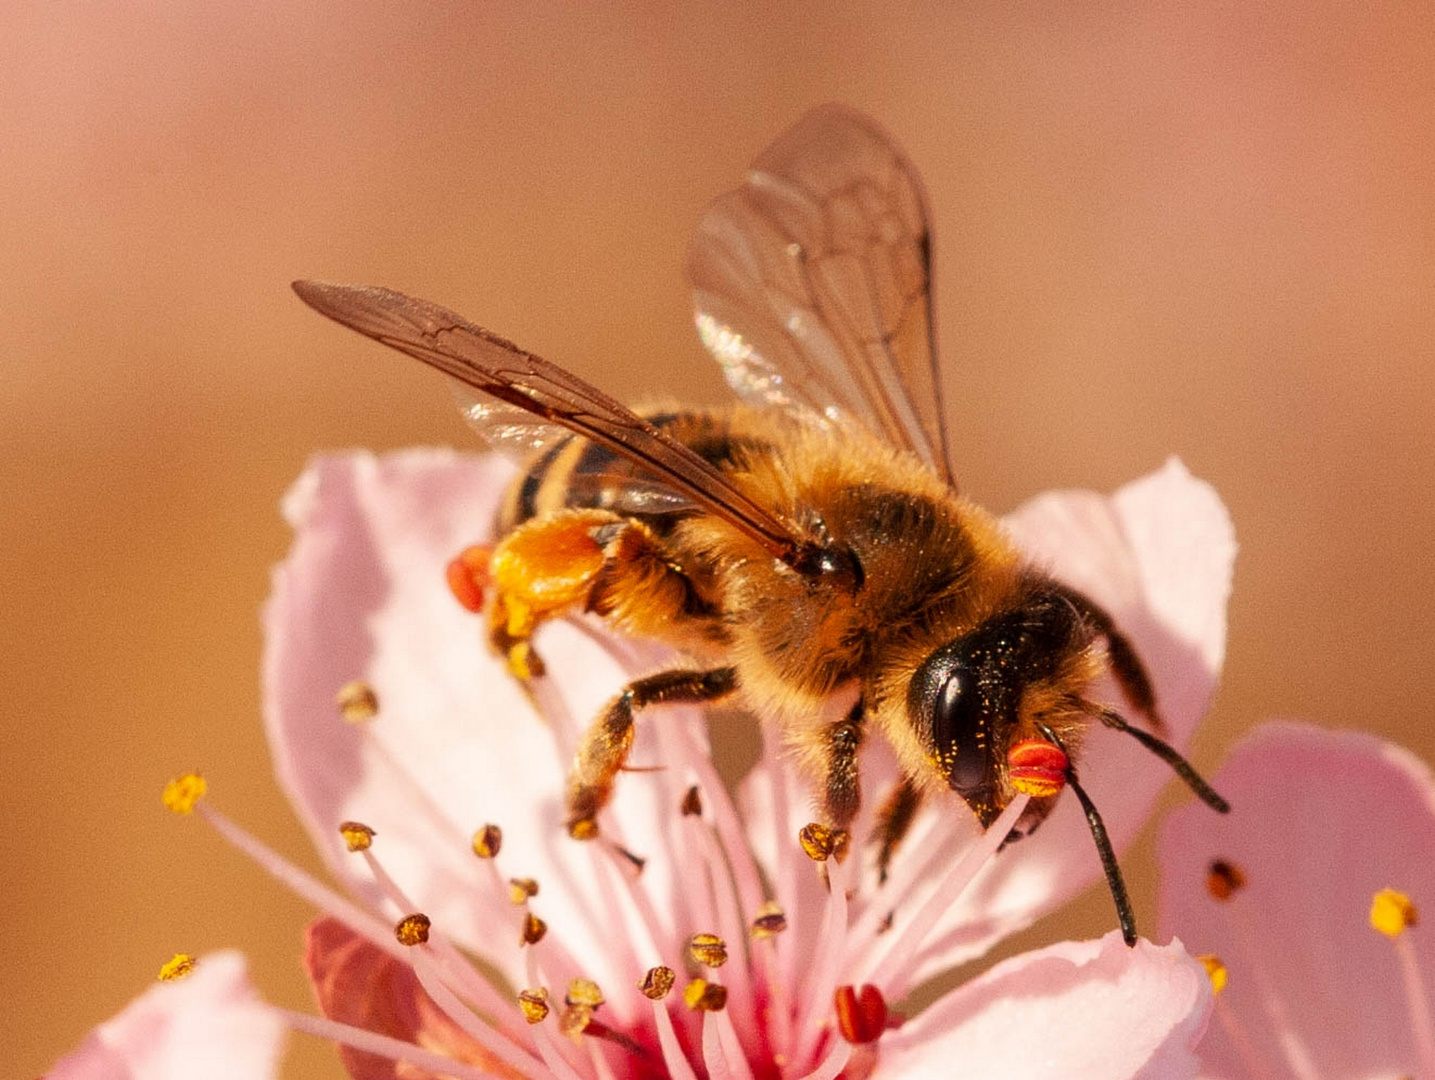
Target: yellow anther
[
  {"x": 657, "y": 982},
  {"x": 181, "y": 793},
  {"x": 413, "y": 929},
  {"x": 487, "y": 841},
  {"x": 522, "y": 889},
  {"x": 533, "y": 929},
  {"x": 1392, "y": 912},
  {"x": 177, "y": 967},
  {"x": 1215, "y": 970},
  {"x": 708, "y": 950},
  {"x": 703, "y": 996},
  {"x": 770, "y": 920},
  {"x": 534, "y": 1004},
  {"x": 821, "y": 842},
  {"x": 584, "y": 993},
  {"x": 357, "y": 836},
  {"x": 574, "y": 1020},
  {"x": 357, "y": 702}
]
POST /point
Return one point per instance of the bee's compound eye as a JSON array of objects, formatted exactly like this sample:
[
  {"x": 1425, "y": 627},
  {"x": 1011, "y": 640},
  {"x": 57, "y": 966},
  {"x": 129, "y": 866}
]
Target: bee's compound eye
[{"x": 947, "y": 704}]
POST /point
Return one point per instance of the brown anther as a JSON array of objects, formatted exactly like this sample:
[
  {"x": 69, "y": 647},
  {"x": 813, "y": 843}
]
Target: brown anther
[
  {"x": 1224, "y": 879},
  {"x": 413, "y": 929},
  {"x": 821, "y": 842},
  {"x": 657, "y": 982},
  {"x": 861, "y": 1014},
  {"x": 357, "y": 702},
  {"x": 487, "y": 841},
  {"x": 522, "y": 889},
  {"x": 708, "y": 950},
  {"x": 770, "y": 920},
  {"x": 703, "y": 996},
  {"x": 533, "y": 929},
  {"x": 583, "y": 829},
  {"x": 692, "y": 803},
  {"x": 357, "y": 836},
  {"x": 534, "y": 1004},
  {"x": 583, "y": 993}
]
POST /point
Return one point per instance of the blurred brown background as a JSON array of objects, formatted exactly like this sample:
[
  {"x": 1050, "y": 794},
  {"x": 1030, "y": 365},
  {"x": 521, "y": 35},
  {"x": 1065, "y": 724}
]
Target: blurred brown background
[{"x": 1158, "y": 231}]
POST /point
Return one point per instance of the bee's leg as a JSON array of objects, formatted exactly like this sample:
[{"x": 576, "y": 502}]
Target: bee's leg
[
  {"x": 893, "y": 820},
  {"x": 1125, "y": 664},
  {"x": 842, "y": 788},
  {"x": 606, "y": 742},
  {"x": 591, "y": 560}
]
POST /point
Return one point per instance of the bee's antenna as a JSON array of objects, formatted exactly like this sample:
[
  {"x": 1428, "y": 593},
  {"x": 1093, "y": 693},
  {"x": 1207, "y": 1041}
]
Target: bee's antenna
[
  {"x": 1170, "y": 755},
  {"x": 1114, "y": 881}
]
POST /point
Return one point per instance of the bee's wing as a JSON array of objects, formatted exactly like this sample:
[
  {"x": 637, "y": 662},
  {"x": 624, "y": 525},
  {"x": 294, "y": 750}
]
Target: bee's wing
[
  {"x": 486, "y": 362},
  {"x": 813, "y": 288},
  {"x": 516, "y": 433}
]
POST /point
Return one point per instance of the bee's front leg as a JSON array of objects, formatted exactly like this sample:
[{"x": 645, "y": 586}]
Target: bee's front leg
[
  {"x": 606, "y": 742},
  {"x": 841, "y": 786}
]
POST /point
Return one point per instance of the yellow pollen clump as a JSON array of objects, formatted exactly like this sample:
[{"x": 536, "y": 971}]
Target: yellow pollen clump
[
  {"x": 657, "y": 982},
  {"x": 708, "y": 950},
  {"x": 182, "y": 793},
  {"x": 703, "y": 996},
  {"x": 1215, "y": 970},
  {"x": 533, "y": 929},
  {"x": 413, "y": 929},
  {"x": 357, "y": 836},
  {"x": 584, "y": 993},
  {"x": 521, "y": 889},
  {"x": 770, "y": 920},
  {"x": 583, "y": 829},
  {"x": 1392, "y": 912},
  {"x": 534, "y": 1004},
  {"x": 487, "y": 841},
  {"x": 357, "y": 702},
  {"x": 177, "y": 967}
]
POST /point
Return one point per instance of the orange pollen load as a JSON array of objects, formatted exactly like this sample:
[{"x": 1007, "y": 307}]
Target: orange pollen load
[
  {"x": 468, "y": 576},
  {"x": 1037, "y": 768},
  {"x": 861, "y": 1014}
]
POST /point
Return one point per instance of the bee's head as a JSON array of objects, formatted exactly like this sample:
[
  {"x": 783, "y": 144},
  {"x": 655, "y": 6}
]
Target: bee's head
[{"x": 974, "y": 696}]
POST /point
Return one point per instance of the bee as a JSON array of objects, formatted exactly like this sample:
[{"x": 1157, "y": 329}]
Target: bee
[{"x": 809, "y": 543}]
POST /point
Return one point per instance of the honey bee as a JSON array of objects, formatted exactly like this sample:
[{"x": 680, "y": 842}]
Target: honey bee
[{"x": 805, "y": 544}]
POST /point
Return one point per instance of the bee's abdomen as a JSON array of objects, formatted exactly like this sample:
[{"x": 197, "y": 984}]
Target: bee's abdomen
[{"x": 577, "y": 473}]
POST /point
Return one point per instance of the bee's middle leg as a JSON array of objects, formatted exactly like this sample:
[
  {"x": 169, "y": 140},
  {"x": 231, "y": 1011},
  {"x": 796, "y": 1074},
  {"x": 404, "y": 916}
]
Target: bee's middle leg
[
  {"x": 605, "y": 744},
  {"x": 841, "y": 786}
]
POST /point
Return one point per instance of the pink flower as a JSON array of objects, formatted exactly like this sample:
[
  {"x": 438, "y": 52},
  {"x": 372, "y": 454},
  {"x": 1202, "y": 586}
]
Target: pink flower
[
  {"x": 454, "y": 746},
  {"x": 1284, "y": 892}
]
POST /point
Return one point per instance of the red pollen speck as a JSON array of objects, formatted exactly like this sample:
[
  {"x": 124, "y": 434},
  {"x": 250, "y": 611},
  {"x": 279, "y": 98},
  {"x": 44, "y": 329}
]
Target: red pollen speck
[
  {"x": 861, "y": 1014},
  {"x": 468, "y": 576},
  {"x": 1037, "y": 767}
]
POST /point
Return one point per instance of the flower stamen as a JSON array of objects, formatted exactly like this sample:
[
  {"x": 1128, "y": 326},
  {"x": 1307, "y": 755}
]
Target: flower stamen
[
  {"x": 1392, "y": 913},
  {"x": 357, "y": 702},
  {"x": 1224, "y": 879}
]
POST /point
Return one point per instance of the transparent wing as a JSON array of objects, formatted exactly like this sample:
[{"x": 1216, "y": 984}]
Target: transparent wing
[
  {"x": 506, "y": 429},
  {"x": 486, "y": 362},
  {"x": 812, "y": 283}
]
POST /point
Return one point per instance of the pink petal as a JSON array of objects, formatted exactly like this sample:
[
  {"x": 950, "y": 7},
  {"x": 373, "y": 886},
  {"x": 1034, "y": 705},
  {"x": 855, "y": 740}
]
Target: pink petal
[
  {"x": 1072, "y": 1011},
  {"x": 1320, "y": 821},
  {"x": 456, "y": 744},
  {"x": 359, "y": 984},
  {"x": 1157, "y": 555},
  {"x": 210, "y": 1024}
]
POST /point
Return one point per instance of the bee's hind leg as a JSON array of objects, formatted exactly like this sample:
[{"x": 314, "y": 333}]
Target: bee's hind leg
[{"x": 605, "y": 744}]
